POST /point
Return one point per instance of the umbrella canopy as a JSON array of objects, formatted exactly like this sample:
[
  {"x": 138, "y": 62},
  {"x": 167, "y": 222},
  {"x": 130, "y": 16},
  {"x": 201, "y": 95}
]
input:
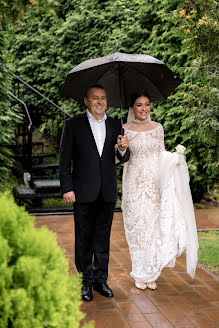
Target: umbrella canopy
[{"x": 121, "y": 75}]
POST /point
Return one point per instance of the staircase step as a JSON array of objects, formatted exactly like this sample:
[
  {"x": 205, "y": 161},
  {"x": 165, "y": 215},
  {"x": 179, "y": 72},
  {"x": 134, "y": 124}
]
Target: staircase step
[
  {"x": 50, "y": 210},
  {"x": 35, "y": 155},
  {"x": 45, "y": 166},
  {"x": 45, "y": 185},
  {"x": 56, "y": 210},
  {"x": 44, "y": 177},
  {"x": 19, "y": 145},
  {"x": 28, "y": 193},
  {"x": 23, "y": 192}
]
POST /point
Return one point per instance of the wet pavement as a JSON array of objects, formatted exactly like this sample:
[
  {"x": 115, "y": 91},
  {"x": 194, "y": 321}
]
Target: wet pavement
[{"x": 179, "y": 301}]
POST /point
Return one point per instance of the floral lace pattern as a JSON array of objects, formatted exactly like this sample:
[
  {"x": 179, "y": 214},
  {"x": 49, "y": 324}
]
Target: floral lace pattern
[{"x": 154, "y": 238}]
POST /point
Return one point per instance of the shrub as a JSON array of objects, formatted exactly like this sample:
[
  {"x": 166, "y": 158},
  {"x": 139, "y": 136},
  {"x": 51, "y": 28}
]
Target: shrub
[{"x": 36, "y": 289}]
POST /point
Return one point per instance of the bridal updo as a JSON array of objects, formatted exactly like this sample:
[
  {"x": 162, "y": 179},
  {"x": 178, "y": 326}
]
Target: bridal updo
[{"x": 135, "y": 96}]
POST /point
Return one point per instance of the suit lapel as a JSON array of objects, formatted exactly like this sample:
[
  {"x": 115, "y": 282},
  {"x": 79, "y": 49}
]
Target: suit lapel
[
  {"x": 89, "y": 133},
  {"x": 108, "y": 135}
]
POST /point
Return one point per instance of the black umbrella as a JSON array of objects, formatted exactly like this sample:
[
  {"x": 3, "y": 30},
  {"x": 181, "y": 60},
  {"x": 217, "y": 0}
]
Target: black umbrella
[{"x": 121, "y": 75}]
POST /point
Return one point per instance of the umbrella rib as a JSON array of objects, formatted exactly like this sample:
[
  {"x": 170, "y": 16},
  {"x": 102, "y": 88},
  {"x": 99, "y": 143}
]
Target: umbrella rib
[
  {"x": 144, "y": 76},
  {"x": 73, "y": 77},
  {"x": 104, "y": 73}
]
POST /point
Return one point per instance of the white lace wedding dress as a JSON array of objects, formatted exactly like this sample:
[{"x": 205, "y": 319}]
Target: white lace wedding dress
[{"x": 155, "y": 224}]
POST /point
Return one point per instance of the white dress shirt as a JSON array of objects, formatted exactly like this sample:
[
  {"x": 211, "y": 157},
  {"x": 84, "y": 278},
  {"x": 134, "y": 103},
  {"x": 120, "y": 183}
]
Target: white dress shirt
[{"x": 99, "y": 132}]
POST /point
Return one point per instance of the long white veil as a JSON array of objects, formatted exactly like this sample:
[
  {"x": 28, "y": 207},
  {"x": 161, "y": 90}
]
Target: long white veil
[{"x": 131, "y": 115}]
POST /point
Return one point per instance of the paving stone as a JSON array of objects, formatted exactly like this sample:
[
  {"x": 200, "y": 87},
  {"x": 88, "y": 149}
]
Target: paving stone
[
  {"x": 168, "y": 272},
  {"x": 201, "y": 274},
  {"x": 215, "y": 304},
  {"x": 173, "y": 315},
  {"x": 144, "y": 324},
  {"x": 211, "y": 313},
  {"x": 131, "y": 312},
  {"x": 120, "y": 295},
  {"x": 158, "y": 320},
  {"x": 213, "y": 283},
  {"x": 157, "y": 298},
  {"x": 115, "y": 320},
  {"x": 185, "y": 326},
  {"x": 200, "y": 321},
  {"x": 98, "y": 318},
  {"x": 167, "y": 289},
  {"x": 106, "y": 305},
  {"x": 187, "y": 309},
  {"x": 189, "y": 280},
  {"x": 207, "y": 292},
  {"x": 144, "y": 304},
  {"x": 178, "y": 283},
  {"x": 196, "y": 298}
]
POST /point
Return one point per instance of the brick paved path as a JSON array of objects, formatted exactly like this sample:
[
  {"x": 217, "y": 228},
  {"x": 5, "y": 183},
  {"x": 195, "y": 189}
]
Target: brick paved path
[{"x": 178, "y": 301}]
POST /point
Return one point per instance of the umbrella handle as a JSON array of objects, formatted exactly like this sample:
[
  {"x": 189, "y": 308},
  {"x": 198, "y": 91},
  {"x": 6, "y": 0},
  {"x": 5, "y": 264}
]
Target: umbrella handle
[{"x": 122, "y": 131}]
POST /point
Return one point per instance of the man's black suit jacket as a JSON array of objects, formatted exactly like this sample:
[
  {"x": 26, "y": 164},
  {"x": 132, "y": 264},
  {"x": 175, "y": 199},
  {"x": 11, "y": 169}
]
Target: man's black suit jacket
[{"x": 91, "y": 172}]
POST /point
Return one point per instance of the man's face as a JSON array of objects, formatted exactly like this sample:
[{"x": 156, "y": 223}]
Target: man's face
[{"x": 96, "y": 102}]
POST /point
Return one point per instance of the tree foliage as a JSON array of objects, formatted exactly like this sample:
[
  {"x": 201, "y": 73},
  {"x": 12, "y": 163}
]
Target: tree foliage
[
  {"x": 197, "y": 99},
  {"x": 8, "y": 117},
  {"x": 49, "y": 43}
]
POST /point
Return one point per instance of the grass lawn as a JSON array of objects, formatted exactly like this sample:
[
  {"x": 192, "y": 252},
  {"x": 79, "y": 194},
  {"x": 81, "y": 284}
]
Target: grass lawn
[{"x": 208, "y": 254}]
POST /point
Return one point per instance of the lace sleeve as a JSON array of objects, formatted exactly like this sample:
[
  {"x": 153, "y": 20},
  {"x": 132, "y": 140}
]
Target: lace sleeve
[{"x": 161, "y": 138}]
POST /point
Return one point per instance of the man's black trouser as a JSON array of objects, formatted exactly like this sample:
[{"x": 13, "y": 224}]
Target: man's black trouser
[{"x": 92, "y": 239}]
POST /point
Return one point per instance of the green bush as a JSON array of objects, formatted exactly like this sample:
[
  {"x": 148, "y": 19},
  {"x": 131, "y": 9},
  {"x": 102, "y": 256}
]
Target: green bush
[{"x": 36, "y": 289}]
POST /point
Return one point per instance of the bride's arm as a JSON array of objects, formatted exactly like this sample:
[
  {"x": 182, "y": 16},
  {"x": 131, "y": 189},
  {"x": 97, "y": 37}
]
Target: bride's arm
[{"x": 161, "y": 138}]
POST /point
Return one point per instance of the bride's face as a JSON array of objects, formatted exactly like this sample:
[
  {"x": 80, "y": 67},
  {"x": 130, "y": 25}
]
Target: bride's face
[{"x": 141, "y": 108}]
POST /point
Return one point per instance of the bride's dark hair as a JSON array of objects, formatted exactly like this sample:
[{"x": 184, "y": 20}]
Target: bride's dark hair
[{"x": 136, "y": 95}]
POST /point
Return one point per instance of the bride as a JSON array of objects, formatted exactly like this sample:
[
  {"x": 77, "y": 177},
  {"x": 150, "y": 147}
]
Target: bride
[{"x": 157, "y": 204}]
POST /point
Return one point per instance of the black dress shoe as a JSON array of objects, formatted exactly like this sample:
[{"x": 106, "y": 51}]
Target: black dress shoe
[
  {"x": 103, "y": 289},
  {"x": 86, "y": 293}
]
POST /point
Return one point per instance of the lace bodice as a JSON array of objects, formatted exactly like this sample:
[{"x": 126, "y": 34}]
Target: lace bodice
[{"x": 144, "y": 144}]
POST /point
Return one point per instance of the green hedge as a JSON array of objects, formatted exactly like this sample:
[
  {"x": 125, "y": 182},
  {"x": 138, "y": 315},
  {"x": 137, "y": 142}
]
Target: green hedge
[{"x": 36, "y": 289}]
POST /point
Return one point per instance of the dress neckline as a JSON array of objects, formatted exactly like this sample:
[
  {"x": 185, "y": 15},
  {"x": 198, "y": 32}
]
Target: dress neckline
[{"x": 142, "y": 131}]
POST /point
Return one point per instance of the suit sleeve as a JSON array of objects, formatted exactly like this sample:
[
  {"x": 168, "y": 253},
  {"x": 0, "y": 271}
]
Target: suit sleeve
[
  {"x": 126, "y": 156},
  {"x": 65, "y": 158}
]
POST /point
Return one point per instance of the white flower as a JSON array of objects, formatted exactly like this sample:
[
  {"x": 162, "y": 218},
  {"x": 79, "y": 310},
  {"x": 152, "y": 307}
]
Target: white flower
[{"x": 180, "y": 149}]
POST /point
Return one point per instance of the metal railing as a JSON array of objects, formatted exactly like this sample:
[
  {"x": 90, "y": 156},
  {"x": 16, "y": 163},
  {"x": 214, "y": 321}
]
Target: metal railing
[
  {"x": 26, "y": 144},
  {"x": 47, "y": 117},
  {"x": 42, "y": 117}
]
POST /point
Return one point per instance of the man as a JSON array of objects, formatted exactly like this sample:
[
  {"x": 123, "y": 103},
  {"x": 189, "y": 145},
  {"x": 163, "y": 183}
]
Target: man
[{"x": 89, "y": 140}]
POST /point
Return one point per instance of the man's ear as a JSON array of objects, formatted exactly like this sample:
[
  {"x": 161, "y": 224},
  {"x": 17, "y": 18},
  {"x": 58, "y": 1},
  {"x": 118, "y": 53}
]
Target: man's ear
[{"x": 85, "y": 100}]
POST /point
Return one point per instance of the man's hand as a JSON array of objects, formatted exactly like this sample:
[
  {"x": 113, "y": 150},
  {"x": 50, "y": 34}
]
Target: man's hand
[
  {"x": 69, "y": 197},
  {"x": 122, "y": 142}
]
